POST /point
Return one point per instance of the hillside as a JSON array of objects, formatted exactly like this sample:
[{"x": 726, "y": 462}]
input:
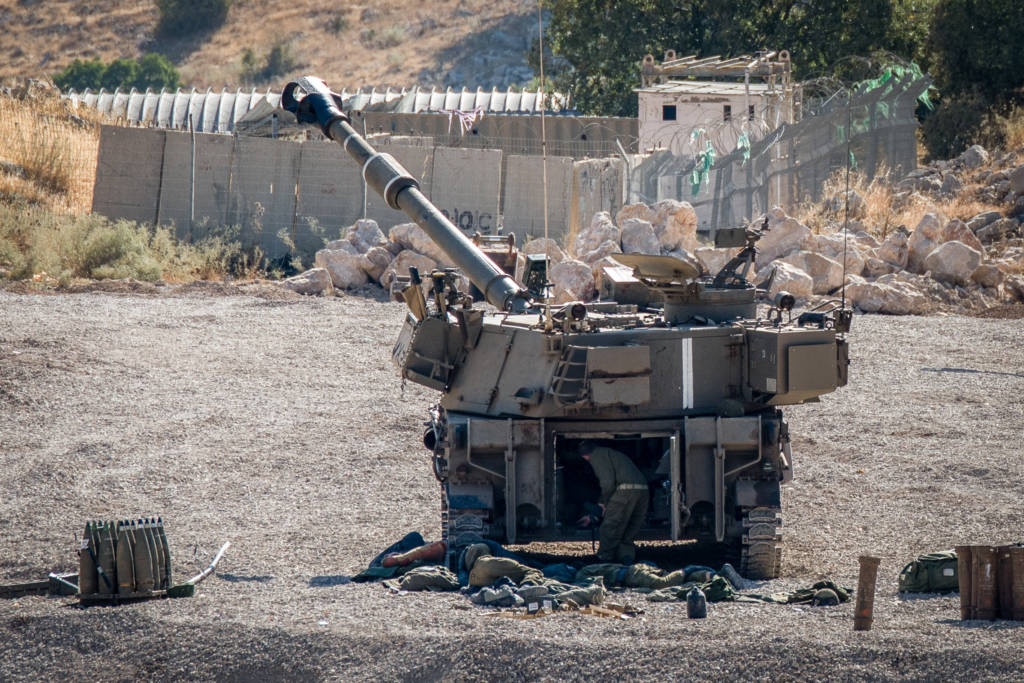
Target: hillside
[{"x": 383, "y": 43}]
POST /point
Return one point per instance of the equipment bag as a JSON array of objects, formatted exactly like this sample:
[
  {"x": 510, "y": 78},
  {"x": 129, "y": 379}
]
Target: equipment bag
[{"x": 931, "y": 573}]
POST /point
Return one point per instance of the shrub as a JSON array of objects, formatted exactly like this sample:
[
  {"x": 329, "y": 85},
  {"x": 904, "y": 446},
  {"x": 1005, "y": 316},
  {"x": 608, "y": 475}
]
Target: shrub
[
  {"x": 152, "y": 71},
  {"x": 954, "y": 126},
  {"x": 182, "y": 18},
  {"x": 337, "y": 24}
]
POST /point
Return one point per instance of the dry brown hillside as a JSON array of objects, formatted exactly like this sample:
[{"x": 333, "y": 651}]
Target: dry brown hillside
[{"x": 385, "y": 42}]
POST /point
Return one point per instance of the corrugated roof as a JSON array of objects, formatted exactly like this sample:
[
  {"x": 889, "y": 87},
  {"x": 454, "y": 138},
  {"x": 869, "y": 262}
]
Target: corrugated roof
[
  {"x": 213, "y": 112},
  {"x": 706, "y": 88}
]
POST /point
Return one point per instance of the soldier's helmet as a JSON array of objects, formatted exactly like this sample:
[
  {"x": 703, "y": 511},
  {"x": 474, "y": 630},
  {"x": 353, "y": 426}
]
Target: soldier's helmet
[{"x": 825, "y": 597}]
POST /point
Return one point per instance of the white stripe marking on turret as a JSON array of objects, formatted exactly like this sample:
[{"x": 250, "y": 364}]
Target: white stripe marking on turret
[{"x": 687, "y": 364}]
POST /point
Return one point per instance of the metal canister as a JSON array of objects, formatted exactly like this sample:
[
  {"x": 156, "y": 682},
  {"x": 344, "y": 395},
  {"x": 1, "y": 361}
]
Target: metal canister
[
  {"x": 106, "y": 558},
  {"x": 125, "y": 560},
  {"x": 696, "y": 604},
  {"x": 863, "y": 613},
  {"x": 964, "y": 573},
  {"x": 87, "y": 577},
  {"x": 984, "y": 584}
]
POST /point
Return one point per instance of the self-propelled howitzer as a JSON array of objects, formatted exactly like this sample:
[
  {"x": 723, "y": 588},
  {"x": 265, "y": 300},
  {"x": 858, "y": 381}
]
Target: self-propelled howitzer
[{"x": 688, "y": 384}]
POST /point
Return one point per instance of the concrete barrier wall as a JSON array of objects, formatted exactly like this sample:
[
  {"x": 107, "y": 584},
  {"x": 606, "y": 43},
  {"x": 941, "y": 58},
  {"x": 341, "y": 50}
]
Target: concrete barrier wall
[{"x": 284, "y": 195}]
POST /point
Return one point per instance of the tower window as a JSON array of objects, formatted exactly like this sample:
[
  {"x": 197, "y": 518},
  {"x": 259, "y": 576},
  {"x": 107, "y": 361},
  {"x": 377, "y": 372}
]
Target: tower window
[
  {"x": 727, "y": 113},
  {"x": 668, "y": 112},
  {"x": 750, "y": 113}
]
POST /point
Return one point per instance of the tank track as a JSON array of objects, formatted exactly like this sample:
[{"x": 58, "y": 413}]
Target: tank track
[{"x": 761, "y": 545}]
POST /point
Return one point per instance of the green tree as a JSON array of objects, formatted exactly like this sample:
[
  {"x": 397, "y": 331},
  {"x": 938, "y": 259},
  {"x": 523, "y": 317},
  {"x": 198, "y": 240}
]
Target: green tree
[
  {"x": 156, "y": 72},
  {"x": 976, "y": 48},
  {"x": 120, "y": 73},
  {"x": 81, "y": 75},
  {"x": 604, "y": 40}
]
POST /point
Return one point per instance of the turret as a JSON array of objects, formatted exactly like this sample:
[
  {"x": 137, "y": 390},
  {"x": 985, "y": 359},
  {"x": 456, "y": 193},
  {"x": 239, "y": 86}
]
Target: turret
[{"x": 401, "y": 191}]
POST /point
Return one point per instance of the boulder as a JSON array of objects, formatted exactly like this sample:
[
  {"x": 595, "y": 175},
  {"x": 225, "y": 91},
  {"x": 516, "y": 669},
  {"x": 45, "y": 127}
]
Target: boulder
[
  {"x": 411, "y": 236},
  {"x": 789, "y": 278},
  {"x": 675, "y": 224},
  {"x": 400, "y": 266},
  {"x": 378, "y": 259},
  {"x": 953, "y": 262},
  {"x": 826, "y": 274},
  {"x": 606, "y": 248},
  {"x": 315, "y": 281},
  {"x": 875, "y": 267},
  {"x": 607, "y": 262},
  {"x": 988, "y": 275},
  {"x": 538, "y": 246},
  {"x": 974, "y": 156},
  {"x": 1015, "y": 287},
  {"x": 638, "y": 237},
  {"x": 982, "y": 219},
  {"x": 896, "y": 298},
  {"x": 601, "y": 229},
  {"x": 1017, "y": 179},
  {"x": 641, "y": 211},
  {"x": 783, "y": 238},
  {"x": 365, "y": 235},
  {"x": 341, "y": 245},
  {"x": 894, "y": 250},
  {"x": 833, "y": 249},
  {"x": 957, "y": 230},
  {"x": 347, "y": 269},
  {"x": 573, "y": 281},
  {"x": 923, "y": 240},
  {"x": 950, "y": 185},
  {"x": 713, "y": 260},
  {"x": 1002, "y": 229}
]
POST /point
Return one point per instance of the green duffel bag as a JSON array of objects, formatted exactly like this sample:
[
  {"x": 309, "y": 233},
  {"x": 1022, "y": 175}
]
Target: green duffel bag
[{"x": 931, "y": 573}]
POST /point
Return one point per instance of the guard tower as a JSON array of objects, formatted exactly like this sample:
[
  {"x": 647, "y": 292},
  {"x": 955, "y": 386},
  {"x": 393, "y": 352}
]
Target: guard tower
[{"x": 725, "y": 99}]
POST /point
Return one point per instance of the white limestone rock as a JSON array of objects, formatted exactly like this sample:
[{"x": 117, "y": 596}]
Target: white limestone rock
[
  {"x": 957, "y": 230},
  {"x": 378, "y": 259},
  {"x": 411, "y": 236},
  {"x": 675, "y": 224},
  {"x": 926, "y": 236},
  {"x": 640, "y": 210},
  {"x": 365, "y": 235},
  {"x": 400, "y": 266},
  {"x": 713, "y": 260},
  {"x": 573, "y": 281},
  {"x": 782, "y": 239},
  {"x": 1017, "y": 180},
  {"x": 789, "y": 278},
  {"x": 341, "y": 245},
  {"x": 347, "y": 270},
  {"x": 975, "y": 156},
  {"x": 606, "y": 248},
  {"x": 538, "y": 246},
  {"x": 876, "y": 267},
  {"x": 953, "y": 262},
  {"x": 988, "y": 275},
  {"x": 826, "y": 274},
  {"x": 895, "y": 297},
  {"x": 315, "y": 281},
  {"x": 638, "y": 237},
  {"x": 894, "y": 250},
  {"x": 600, "y": 230}
]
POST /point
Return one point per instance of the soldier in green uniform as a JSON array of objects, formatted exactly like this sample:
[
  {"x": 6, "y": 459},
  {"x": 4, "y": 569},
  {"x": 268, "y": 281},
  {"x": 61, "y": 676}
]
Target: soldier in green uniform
[
  {"x": 631, "y": 576},
  {"x": 623, "y": 501},
  {"x": 485, "y": 569}
]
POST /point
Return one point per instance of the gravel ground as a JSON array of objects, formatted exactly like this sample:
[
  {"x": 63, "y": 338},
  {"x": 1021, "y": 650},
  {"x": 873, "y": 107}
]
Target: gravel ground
[{"x": 279, "y": 424}]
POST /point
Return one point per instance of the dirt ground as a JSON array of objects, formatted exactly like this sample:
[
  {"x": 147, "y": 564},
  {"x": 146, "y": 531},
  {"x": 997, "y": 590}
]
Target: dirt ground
[{"x": 280, "y": 424}]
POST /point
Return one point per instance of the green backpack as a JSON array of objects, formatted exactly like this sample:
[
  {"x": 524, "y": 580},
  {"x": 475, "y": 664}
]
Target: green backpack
[{"x": 931, "y": 573}]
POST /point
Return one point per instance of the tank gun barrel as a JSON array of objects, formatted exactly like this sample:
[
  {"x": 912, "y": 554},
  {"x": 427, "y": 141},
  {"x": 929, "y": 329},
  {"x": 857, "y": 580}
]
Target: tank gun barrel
[{"x": 401, "y": 191}]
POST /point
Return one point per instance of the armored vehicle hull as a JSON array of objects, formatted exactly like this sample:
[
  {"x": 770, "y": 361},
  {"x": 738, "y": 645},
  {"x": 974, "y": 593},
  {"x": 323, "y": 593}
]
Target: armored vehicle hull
[{"x": 686, "y": 384}]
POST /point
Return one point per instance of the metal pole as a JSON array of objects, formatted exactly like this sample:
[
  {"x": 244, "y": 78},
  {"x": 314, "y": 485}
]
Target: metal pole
[{"x": 192, "y": 198}]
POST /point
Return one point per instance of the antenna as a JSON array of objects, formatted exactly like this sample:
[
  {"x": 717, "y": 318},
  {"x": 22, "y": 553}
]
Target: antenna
[
  {"x": 544, "y": 164},
  {"x": 846, "y": 206}
]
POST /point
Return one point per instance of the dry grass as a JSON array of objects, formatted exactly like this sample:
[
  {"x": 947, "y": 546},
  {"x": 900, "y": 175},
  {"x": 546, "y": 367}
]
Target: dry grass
[
  {"x": 56, "y": 149},
  {"x": 326, "y": 35},
  {"x": 1013, "y": 128},
  {"x": 883, "y": 211}
]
